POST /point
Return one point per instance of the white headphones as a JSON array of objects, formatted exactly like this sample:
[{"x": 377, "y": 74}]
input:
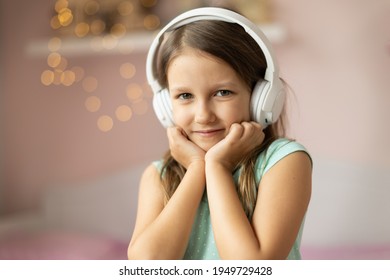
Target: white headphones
[{"x": 268, "y": 95}]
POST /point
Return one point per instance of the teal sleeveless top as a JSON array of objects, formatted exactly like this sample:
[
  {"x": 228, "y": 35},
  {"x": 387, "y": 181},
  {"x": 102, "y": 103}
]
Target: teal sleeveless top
[{"x": 201, "y": 245}]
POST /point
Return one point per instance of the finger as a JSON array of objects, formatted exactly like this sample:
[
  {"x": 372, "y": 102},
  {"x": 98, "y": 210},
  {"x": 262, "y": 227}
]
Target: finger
[
  {"x": 257, "y": 125},
  {"x": 254, "y": 131},
  {"x": 235, "y": 132},
  {"x": 248, "y": 128},
  {"x": 257, "y": 128}
]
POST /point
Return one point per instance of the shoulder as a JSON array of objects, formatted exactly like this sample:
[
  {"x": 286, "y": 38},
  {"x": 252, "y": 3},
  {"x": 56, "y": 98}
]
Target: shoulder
[
  {"x": 151, "y": 170},
  {"x": 282, "y": 147},
  {"x": 150, "y": 179},
  {"x": 158, "y": 164},
  {"x": 279, "y": 150}
]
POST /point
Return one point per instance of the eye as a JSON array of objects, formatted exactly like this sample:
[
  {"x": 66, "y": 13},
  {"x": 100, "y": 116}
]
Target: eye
[
  {"x": 223, "y": 92},
  {"x": 184, "y": 96}
]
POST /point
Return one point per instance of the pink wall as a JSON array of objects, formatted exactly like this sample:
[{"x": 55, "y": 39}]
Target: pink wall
[
  {"x": 50, "y": 137},
  {"x": 336, "y": 58}
]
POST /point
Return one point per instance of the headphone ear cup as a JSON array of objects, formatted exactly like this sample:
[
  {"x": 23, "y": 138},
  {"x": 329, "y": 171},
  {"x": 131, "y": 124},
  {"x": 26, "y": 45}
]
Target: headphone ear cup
[
  {"x": 163, "y": 107},
  {"x": 267, "y": 102},
  {"x": 257, "y": 100}
]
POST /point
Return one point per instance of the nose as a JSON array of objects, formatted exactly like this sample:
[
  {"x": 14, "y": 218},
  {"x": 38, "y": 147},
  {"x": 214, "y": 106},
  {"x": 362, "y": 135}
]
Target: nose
[{"x": 204, "y": 113}]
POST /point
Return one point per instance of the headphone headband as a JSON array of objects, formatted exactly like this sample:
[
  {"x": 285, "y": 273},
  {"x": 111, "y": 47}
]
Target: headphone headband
[{"x": 212, "y": 13}]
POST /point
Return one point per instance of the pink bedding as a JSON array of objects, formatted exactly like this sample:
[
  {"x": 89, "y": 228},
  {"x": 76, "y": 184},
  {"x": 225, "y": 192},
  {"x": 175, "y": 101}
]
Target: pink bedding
[
  {"x": 56, "y": 245},
  {"x": 60, "y": 246}
]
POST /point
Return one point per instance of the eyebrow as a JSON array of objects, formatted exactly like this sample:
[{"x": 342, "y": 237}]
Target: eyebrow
[
  {"x": 219, "y": 85},
  {"x": 179, "y": 89}
]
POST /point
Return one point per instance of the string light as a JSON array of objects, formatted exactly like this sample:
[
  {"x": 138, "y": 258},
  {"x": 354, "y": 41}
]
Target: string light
[{"x": 104, "y": 29}]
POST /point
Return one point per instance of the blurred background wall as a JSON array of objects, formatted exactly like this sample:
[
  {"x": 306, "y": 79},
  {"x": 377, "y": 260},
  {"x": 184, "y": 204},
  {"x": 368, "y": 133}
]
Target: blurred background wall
[
  {"x": 51, "y": 135},
  {"x": 335, "y": 55},
  {"x": 2, "y": 66}
]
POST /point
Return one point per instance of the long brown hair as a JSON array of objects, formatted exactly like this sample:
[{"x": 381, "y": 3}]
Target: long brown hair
[{"x": 231, "y": 43}]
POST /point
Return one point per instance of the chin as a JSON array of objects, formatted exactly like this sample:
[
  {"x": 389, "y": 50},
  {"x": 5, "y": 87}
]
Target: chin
[{"x": 206, "y": 147}]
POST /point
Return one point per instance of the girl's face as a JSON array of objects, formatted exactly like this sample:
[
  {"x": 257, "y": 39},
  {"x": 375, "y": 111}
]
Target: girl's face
[{"x": 207, "y": 96}]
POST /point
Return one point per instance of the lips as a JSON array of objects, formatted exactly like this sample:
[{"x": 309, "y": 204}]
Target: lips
[{"x": 208, "y": 132}]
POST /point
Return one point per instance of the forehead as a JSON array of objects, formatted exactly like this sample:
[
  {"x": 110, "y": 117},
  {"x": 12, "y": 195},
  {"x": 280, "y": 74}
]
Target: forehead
[
  {"x": 191, "y": 60},
  {"x": 193, "y": 69}
]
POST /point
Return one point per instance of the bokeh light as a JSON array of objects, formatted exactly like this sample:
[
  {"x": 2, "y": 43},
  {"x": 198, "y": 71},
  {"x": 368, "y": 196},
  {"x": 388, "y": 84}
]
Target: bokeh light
[
  {"x": 93, "y": 104},
  {"x": 91, "y": 8},
  {"x": 148, "y": 3},
  {"x": 118, "y": 30},
  {"x": 127, "y": 70},
  {"x": 88, "y": 18},
  {"x": 53, "y": 59},
  {"x": 151, "y": 22},
  {"x": 123, "y": 113},
  {"x": 47, "y": 77},
  {"x": 68, "y": 78},
  {"x": 125, "y": 8},
  {"x": 81, "y": 29},
  {"x": 60, "y": 5},
  {"x": 97, "y": 27},
  {"x": 54, "y": 44},
  {"x": 105, "y": 123},
  {"x": 65, "y": 17}
]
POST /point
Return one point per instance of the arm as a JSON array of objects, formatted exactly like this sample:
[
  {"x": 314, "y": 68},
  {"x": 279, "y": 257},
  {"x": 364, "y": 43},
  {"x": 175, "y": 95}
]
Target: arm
[
  {"x": 283, "y": 196},
  {"x": 162, "y": 232}
]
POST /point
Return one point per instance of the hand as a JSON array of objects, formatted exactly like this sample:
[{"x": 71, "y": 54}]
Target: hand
[
  {"x": 241, "y": 139},
  {"x": 182, "y": 149}
]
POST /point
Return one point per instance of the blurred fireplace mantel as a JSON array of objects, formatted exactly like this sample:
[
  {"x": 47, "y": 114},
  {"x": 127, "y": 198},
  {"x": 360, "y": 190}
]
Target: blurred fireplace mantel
[{"x": 134, "y": 42}]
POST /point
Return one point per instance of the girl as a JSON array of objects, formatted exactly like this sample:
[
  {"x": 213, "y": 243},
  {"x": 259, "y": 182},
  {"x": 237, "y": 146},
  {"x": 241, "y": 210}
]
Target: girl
[{"x": 228, "y": 188}]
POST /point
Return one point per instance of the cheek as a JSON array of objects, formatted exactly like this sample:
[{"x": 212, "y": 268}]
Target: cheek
[
  {"x": 180, "y": 116},
  {"x": 246, "y": 113},
  {"x": 233, "y": 115}
]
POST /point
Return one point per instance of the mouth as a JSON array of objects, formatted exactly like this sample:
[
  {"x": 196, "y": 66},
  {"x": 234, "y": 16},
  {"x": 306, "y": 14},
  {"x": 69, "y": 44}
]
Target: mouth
[{"x": 208, "y": 132}]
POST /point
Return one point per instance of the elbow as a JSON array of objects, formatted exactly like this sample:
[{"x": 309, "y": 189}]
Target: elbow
[
  {"x": 254, "y": 254},
  {"x": 130, "y": 254},
  {"x": 134, "y": 254},
  {"x": 140, "y": 256},
  {"x": 144, "y": 254}
]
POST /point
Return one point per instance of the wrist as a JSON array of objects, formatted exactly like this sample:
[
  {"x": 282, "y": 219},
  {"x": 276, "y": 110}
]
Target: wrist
[
  {"x": 196, "y": 164},
  {"x": 213, "y": 165}
]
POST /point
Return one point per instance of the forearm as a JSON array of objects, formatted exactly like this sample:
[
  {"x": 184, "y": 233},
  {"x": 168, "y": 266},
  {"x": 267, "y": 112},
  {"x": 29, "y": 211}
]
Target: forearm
[
  {"x": 233, "y": 232},
  {"x": 167, "y": 236}
]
